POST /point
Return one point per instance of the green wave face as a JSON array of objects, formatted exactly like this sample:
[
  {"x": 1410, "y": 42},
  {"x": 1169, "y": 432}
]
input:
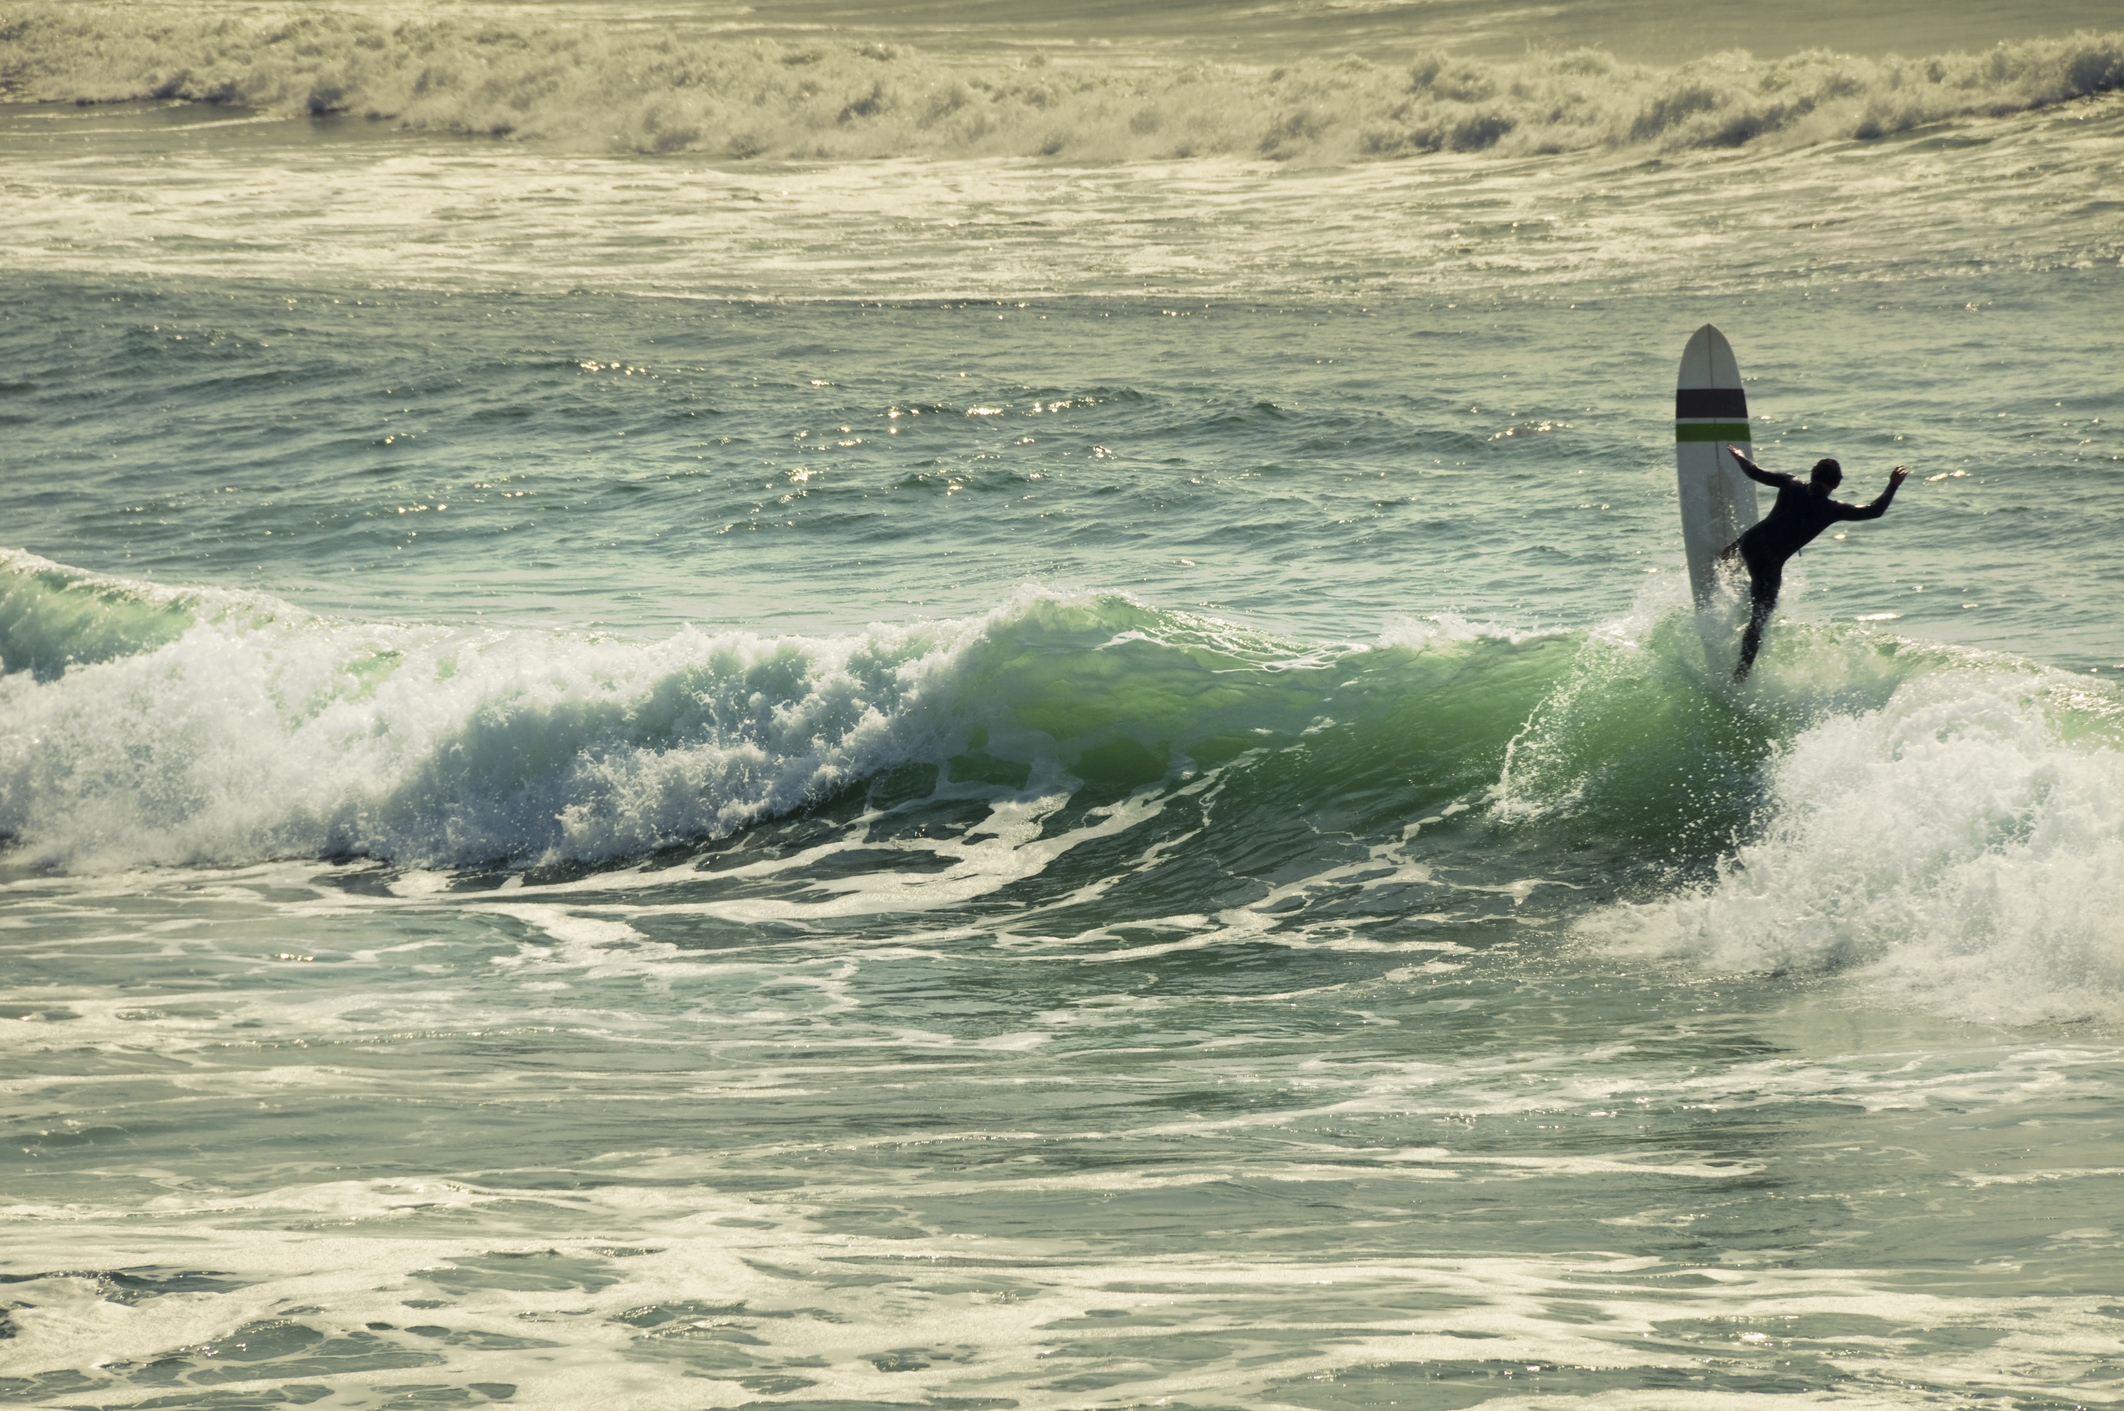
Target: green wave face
[{"x": 1124, "y": 696}]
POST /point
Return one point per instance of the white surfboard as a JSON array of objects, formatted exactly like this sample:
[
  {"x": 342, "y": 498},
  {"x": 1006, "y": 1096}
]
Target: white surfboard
[{"x": 1710, "y": 411}]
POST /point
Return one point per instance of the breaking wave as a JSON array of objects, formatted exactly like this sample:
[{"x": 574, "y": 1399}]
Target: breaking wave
[
  {"x": 604, "y": 89},
  {"x": 228, "y": 728},
  {"x": 1946, "y": 829},
  {"x": 212, "y": 727}
]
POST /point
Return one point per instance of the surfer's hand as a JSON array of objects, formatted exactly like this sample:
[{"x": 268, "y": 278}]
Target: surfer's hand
[{"x": 1898, "y": 476}]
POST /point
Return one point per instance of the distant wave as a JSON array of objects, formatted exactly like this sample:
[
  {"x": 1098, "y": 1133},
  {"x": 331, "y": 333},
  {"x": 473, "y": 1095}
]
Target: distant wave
[{"x": 596, "y": 88}]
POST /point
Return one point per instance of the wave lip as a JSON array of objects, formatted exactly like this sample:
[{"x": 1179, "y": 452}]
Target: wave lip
[{"x": 599, "y": 88}]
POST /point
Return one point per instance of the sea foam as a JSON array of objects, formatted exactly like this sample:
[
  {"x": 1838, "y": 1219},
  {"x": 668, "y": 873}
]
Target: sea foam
[
  {"x": 1959, "y": 848},
  {"x": 603, "y": 88},
  {"x": 250, "y": 733}
]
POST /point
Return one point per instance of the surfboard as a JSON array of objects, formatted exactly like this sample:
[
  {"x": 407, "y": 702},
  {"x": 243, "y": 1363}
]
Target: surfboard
[{"x": 1710, "y": 411}]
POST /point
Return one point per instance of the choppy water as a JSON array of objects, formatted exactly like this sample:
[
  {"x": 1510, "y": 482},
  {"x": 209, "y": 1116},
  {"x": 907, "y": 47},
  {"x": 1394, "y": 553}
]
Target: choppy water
[{"x": 941, "y": 767}]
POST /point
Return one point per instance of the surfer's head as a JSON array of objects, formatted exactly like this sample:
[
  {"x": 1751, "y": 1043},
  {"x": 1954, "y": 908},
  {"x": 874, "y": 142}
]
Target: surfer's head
[{"x": 1827, "y": 474}]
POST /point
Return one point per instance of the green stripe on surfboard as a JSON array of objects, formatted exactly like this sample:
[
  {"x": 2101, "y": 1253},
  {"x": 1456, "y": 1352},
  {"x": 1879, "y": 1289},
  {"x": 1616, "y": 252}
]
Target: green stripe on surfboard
[{"x": 1712, "y": 431}]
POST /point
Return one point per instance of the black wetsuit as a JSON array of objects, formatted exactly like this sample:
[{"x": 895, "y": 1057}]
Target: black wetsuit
[{"x": 1793, "y": 522}]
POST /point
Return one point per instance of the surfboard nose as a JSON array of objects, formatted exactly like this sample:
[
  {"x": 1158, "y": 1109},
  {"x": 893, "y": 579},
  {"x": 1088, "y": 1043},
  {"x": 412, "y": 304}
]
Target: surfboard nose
[{"x": 1710, "y": 410}]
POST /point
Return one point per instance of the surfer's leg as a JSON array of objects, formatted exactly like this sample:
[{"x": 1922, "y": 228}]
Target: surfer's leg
[{"x": 1764, "y": 581}]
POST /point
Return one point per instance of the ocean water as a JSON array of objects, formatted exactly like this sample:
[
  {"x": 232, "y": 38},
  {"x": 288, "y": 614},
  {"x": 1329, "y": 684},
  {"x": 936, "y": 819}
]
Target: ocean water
[{"x": 969, "y": 707}]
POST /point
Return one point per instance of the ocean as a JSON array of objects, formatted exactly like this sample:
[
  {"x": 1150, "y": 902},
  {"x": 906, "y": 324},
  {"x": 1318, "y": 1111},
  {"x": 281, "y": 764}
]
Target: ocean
[{"x": 975, "y": 706}]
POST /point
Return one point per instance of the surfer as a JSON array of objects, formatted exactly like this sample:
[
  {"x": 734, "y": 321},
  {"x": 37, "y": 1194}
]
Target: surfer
[{"x": 1803, "y": 510}]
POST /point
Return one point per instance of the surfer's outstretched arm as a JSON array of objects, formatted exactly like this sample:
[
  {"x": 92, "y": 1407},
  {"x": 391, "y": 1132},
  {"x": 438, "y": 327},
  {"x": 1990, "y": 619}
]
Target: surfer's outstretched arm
[
  {"x": 1879, "y": 506},
  {"x": 1758, "y": 474}
]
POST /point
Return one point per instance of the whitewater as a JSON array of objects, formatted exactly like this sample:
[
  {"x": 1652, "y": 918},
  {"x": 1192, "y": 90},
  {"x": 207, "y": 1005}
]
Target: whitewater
[{"x": 959, "y": 706}]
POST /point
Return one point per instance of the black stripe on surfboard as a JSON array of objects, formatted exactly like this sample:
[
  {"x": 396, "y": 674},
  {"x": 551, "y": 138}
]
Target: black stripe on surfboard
[{"x": 1726, "y": 402}]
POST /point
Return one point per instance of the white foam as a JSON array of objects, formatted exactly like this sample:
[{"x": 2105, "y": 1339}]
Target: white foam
[
  {"x": 1013, "y": 1313},
  {"x": 439, "y": 212},
  {"x": 297, "y": 736},
  {"x": 1961, "y": 848},
  {"x": 670, "y": 89}
]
